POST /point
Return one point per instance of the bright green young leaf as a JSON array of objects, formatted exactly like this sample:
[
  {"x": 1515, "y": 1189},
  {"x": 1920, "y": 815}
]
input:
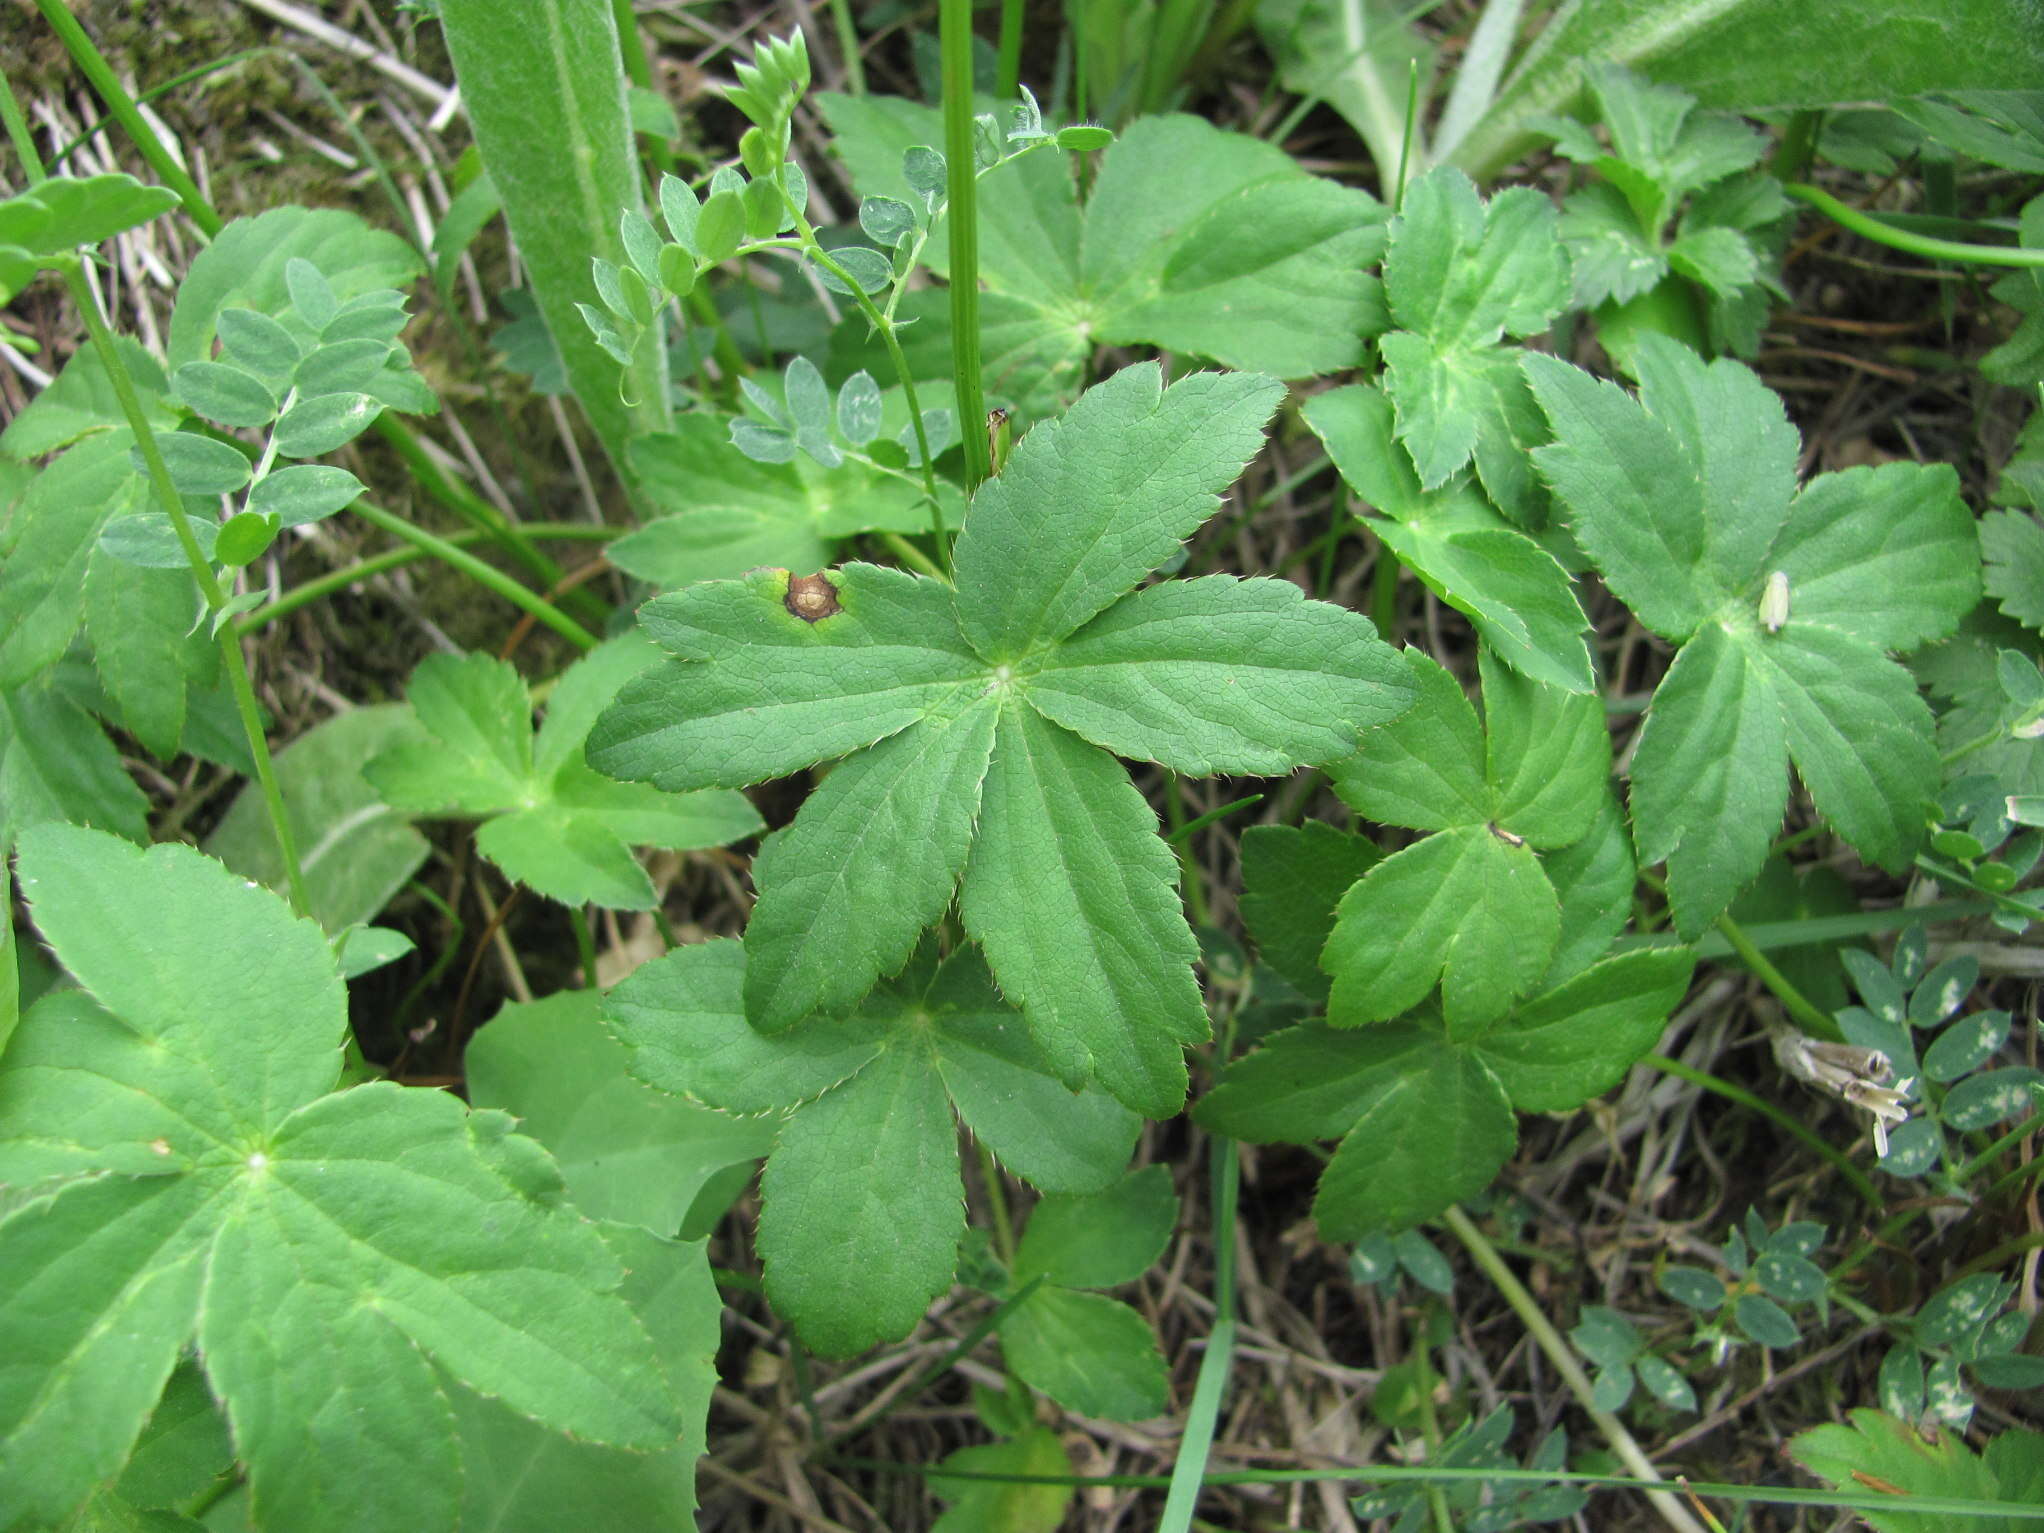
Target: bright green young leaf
[
  {"x": 57, "y": 764},
  {"x": 523, "y": 1478},
  {"x": 1103, "y": 1240},
  {"x": 353, "y": 849},
  {"x": 1878, "y": 1449},
  {"x": 1195, "y": 240},
  {"x": 864, "y": 1205},
  {"x": 717, "y": 513},
  {"x": 1292, "y": 878},
  {"x": 80, "y": 400},
  {"x": 551, "y": 822},
  {"x": 1460, "y": 274},
  {"x": 65, "y": 212},
  {"x": 1685, "y": 498},
  {"x": 42, "y": 583},
  {"x": 1090, "y": 1353},
  {"x": 626, "y": 1151},
  {"x": 991, "y": 1502},
  {"x": 1064, "y": 882},
  {"x": 1520, "y": 599},
  {"x": 1469, "y": 907},
  {"x": 218, "y": 1171}
]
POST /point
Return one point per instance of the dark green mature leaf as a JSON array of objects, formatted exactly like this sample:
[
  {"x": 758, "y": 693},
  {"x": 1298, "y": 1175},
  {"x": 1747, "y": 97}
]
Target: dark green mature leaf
[
  {"x": 1292, "y": 879},
  {"x": 193, "y": 1106},
  {"x": 2012, "y": 544},
  {"x": 864, "y": 1202},
  {"x": 552, "y": 822},
  {"x": 1064, "y": 883},
  {"x": 1104, "y": 1240},
  {"x": 1754, "y": 55},
  {"x": 1469, "y": 906},
  {"x": 718, "y": 513},
  {"x": 1512, "y": 589},
  {"x": 1195, "y": 239},
  {"x": 1685, "y": 498},
  {"x": 1570, "y": 1043},
  {"x": 1036, "y": 559},
  {"x": 626, "y": 1151}
]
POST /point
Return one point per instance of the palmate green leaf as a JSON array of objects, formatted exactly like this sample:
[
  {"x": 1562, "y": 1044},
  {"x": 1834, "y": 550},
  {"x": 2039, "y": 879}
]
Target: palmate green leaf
[
  {"x": 717, "y": 514},
  {"x": 1195, "y": 240},
  {"x": 626, "y": 1151},
  {"x": 1064, "y": 883},
  {"x": 1470, "y": 906},
  {"x": 864, "y": 1205},
  {"x": 1091, "y": 503},
  {"x": 1459, "y": 275},
  {"x": 551, "y": 821},
  {"x": 218, "y": 1176},
  {"x": 1877, "y": 1448},
  {"x": 1520, "y": 599},
  {"x": 2012, "y": 546},
  {"x": 1685, "y": 498},
  {"x": 1577, "y": 1040},
  {"x": 1423, "y": 1123}
]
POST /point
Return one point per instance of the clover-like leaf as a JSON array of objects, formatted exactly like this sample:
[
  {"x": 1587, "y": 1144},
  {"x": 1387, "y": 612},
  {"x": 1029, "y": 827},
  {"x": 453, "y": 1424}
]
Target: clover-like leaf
[
  {"x": 993, "y": 706},
  {"x": 1469, "y": 906},
  {"x": 551, "y": 822},
  {"x": 864, "y": 1205},
  {"x": 188, "y": 1176},
  {"x": 1685, "y": 498}
]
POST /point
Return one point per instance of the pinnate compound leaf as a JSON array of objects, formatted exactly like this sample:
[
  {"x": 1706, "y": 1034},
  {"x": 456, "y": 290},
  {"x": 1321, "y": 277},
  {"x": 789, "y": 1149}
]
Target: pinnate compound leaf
[
  {"x": 196, "y": 1096},
  {"x": 553, "y": 823},
  {"x": 1684, "y": 498},
  {"x": 1091, "y": 503},
  {"x": 1075, "y": 900},
  {"x": 1520, "y": 599}
]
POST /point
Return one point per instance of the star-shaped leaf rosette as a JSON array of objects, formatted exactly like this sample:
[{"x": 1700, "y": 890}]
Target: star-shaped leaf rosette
[{"x": 979, "y": 725}]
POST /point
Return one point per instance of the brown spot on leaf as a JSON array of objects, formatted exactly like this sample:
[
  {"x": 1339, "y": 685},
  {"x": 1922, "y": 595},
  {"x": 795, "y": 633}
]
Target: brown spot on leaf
[{"x": 812, "y": 598}]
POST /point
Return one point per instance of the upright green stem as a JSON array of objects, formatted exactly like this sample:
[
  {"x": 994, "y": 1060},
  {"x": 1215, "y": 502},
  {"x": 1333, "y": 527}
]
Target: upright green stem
[
  {"x": 1195, "y": 1444},
  {"x": 1008, "y": 54},
  {"x": 954, "y": 22},
  {"x": 86, "y": 55},
  {"x": 1809, "y": 1017},
  {"x": 1550, "y": 1341},
  {"x": 232, "y": 658},
  {"x": 18, "y": 134}
]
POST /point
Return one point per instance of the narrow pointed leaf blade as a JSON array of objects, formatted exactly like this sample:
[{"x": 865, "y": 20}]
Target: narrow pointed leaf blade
[
  {"x": 1075, "y": 901},
  {"x": 864, "y": 1207},
  {"x": 760, "y": 692},
  {"x": 1222, "y": 675},
  {"x": 1710, "y": 776},
  {"x": 871, "y": 860},
  {"x": 1091, "y": 503}
]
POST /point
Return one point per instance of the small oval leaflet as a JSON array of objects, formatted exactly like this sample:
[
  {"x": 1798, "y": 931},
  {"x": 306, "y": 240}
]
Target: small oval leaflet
[{"x": 812, "y": 598}]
